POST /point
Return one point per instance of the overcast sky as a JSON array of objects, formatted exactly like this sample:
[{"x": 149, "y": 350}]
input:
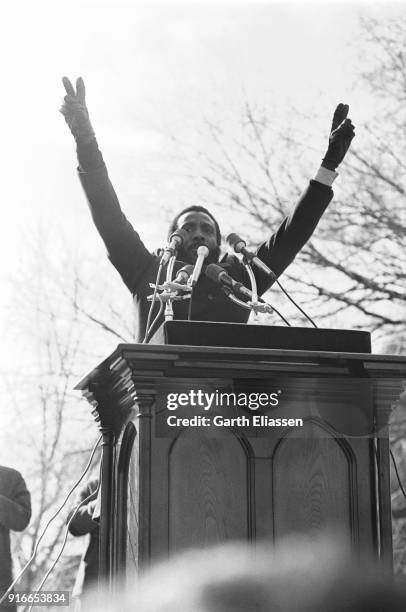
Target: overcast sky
[{"x": 152, "y": 71}]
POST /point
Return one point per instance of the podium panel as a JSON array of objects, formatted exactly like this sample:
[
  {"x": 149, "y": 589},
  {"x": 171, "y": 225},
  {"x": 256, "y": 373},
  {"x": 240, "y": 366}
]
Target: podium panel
[
  {"x": 208, "y": 484},
  {"x": 317, "y": 490}
]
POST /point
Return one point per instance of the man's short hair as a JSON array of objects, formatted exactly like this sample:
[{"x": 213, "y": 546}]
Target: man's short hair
[{"x": 174, "y": 224}]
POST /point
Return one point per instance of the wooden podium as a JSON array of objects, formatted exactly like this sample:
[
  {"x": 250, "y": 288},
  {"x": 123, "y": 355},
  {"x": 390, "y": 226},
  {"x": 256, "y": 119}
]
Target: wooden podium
[{"x": 167, "y": 487}]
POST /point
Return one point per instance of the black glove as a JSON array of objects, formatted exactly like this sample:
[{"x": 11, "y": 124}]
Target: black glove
[
  {"x": 75, "y": 111},
  {"x": 342, "y": 132}
]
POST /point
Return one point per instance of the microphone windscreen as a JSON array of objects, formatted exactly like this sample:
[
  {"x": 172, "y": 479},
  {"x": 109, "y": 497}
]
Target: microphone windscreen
[
  {"x": 213, "y": 272},
  {"x": 179, "y": 235},
  {"x": 188, "y": 269},
  {"x": 202, "y": 251},
  {"x": 233, "y": 240},
  {"x": 183, "y": 274}
]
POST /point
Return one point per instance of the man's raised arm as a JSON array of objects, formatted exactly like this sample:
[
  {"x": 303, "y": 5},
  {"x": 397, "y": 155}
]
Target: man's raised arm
[
  {"x": 296, "y": 229},
  {"x": 125, "y": 248}
]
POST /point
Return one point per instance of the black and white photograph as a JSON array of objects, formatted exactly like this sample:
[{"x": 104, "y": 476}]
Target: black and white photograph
[{"x": 203, "y": 306}]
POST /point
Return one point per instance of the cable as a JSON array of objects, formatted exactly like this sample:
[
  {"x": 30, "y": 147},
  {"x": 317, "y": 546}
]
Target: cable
[
  {"x": 281, "y": 316},
  {"x": 239, "y": 247},
  {"x": 30, "y": 560},
  {"x": 65, "y": 539},
  {"x": 297, "y": 305},
  {"x": 254, "y": 289},
  {"x": 397, "y": 473},
  {"x": 151, "y": 327},
  {"x": 151, "y": 308}
]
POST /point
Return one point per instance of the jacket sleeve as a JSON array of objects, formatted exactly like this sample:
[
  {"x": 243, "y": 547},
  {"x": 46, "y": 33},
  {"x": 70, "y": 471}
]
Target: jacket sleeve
[
  {"x": 293, "y": 233},
  {"x": 125, "y": 248},
  {"x": 83, "y": 522},
  {"x": 15, "y": 507}
]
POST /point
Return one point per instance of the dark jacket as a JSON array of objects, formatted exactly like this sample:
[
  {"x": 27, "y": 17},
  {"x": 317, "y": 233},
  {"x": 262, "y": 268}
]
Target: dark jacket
[
  {"x": 138, "y": 267},
  {"x": 15, "y": 514},
  {"x": 83, "y": 524}
]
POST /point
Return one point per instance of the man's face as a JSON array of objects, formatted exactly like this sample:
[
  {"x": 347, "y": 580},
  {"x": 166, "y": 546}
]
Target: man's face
[{"x": 200, "y": 230}]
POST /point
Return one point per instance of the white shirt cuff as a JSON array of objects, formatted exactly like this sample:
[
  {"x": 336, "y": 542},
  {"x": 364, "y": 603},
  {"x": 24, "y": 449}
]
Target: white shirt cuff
[{"x": 325, "y": 176}]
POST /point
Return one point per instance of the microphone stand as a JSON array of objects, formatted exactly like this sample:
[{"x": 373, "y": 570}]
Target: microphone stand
[
  {"x": 255, "y": 305},
  {"x": 169, "y": 299},
  {"x": 170, "y": 291},
  {"x": 253, "y": 281}
]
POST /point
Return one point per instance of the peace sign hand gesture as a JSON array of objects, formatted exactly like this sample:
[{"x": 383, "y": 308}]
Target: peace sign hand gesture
[
  {"x": 342, "y": 132},
  {"x": 75, "y": 111}
]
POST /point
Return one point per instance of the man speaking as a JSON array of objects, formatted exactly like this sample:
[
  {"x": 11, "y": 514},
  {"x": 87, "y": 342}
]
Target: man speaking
[{"x": 195, "y": 225}]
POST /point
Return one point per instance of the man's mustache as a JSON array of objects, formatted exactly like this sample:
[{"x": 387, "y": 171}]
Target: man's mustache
[{"x": 195, "y": 244}]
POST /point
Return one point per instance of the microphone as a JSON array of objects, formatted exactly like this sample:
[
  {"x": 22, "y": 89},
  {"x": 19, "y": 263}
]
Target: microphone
[
  {"x": 239, "y": 246},
  {"x": 179, "y": 283},
  {"x": 175, "y": 241},
  {"x": 183, "y": 275},
  {"x": 202, "y": 253},
  {"x": 219, "y": 275}
]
